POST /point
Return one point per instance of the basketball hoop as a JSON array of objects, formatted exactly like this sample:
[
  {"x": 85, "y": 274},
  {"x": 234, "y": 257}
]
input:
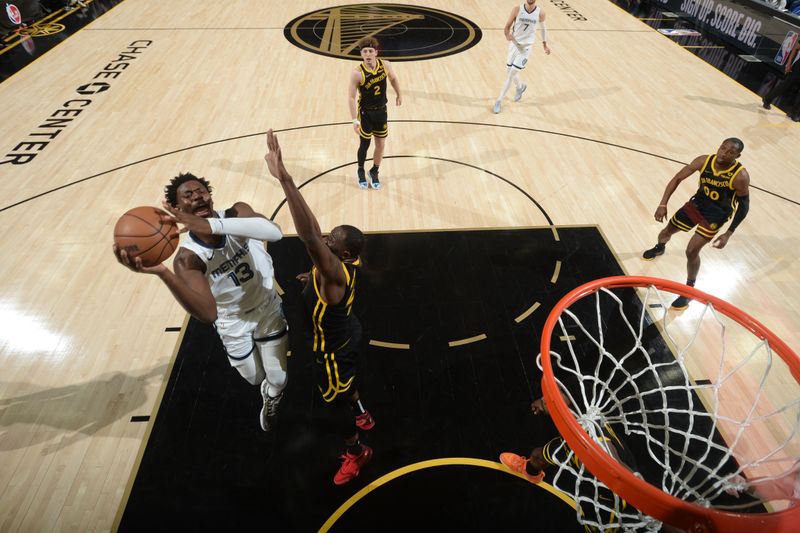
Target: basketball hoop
[{"x": 700, "y": 449}]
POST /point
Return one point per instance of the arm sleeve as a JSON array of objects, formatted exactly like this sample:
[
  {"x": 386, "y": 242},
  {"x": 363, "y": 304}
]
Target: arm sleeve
[
  {"x": 544, "y": 31},
  {"x": 741, "y": 212},
  {"x": 251, "y": 228}
]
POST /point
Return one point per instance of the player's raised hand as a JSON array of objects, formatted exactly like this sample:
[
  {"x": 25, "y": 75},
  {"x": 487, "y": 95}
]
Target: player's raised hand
[
  {"x": 273, "y": 157},
  {"x": 189, "y": 222}
]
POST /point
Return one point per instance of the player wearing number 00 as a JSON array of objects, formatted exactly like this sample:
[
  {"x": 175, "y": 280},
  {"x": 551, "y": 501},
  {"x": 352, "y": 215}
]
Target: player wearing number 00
[
  {"x": 223, "y": 275},
  {"x": 723, "y": 191}
]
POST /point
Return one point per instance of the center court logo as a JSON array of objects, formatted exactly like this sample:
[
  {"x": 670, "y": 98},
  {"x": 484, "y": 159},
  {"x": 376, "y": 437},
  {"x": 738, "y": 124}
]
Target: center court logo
[
  {"x": 406, "y": 33},
  {"x": 43, "y": 30}
]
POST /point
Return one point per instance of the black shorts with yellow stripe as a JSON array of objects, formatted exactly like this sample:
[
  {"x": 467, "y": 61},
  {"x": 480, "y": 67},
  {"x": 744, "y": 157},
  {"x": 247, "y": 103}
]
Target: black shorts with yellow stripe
[
  {"x": 708, "y": 220},
  {"x": 336, "y": 373},
  {"x": 374, "y": 122}
]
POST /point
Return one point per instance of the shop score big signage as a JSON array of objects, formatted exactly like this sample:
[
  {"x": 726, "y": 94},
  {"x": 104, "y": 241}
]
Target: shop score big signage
[
  {"x": 725, "y": 19},
  {"x": 748, "y": 25}
]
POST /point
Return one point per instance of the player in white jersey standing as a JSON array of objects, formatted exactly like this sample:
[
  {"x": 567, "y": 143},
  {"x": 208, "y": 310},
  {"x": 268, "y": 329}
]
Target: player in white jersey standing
[
  {"x": 223, "y": 275},
  {"x": 520, "y": 31}
]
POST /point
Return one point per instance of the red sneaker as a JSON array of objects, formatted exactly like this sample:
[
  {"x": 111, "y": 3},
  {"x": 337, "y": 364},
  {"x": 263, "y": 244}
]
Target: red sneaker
[
  {"x": 351, "y": 465},
  {"x": 516, "y": 463},
  {"x": 365, "y": 421}
]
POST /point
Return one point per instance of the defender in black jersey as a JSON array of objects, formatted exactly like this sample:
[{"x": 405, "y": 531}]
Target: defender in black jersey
[
  {"x": 367, "y": 102},
  {"x": 335, "y": 332},
  {"x": 723, "y": 191}
]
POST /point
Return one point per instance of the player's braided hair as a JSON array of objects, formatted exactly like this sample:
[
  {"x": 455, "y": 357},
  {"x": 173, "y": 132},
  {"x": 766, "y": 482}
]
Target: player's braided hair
[{"x": 171, "y": 190}]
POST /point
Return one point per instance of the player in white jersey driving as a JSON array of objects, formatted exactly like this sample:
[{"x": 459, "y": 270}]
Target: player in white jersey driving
[
  {"x": 520, "y": 31},
  {"x": 223, "y": 275}
]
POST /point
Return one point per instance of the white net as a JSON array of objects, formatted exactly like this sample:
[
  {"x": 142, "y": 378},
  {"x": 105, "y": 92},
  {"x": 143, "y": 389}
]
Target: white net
[{"x": 695, "y": 404}]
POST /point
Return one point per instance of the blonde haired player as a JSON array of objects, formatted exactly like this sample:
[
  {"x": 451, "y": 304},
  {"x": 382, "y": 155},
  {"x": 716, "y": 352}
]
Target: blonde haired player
[{"x": 520, "y": 31}]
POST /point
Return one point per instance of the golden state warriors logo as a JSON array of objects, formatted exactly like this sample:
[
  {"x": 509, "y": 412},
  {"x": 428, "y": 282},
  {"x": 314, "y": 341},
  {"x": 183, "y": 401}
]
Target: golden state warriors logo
[
  {"x": 43, "y": 29},
  {"x": 406, "y": 33}
]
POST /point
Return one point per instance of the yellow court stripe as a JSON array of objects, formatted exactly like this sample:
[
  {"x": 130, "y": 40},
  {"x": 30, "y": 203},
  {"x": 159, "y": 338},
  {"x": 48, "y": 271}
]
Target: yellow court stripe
[
  {"x": 556, "y": 272},
  {"x": 468, "y": 340},
  {"x": 555, "y": 233},
  {"x": 527, "y": 313},
  {"x": 433, "y": 463},
  {"x": 394, "y": 345}
]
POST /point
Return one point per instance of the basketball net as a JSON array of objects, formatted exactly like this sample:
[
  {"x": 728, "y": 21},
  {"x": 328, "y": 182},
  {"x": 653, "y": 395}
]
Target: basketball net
[{"x": 707, "y": 402}]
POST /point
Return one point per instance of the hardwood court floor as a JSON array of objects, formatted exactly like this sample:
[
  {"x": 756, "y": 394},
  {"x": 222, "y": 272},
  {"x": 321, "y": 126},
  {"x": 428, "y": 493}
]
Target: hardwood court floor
[{"x": 609, "y": 117}]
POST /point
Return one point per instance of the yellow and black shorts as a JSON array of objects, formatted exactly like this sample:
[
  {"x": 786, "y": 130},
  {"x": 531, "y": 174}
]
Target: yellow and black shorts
[
  {"x": 374, "y": 121},
  {"x": 336, "y": 373},
  {"x": 708, "y": 221}
]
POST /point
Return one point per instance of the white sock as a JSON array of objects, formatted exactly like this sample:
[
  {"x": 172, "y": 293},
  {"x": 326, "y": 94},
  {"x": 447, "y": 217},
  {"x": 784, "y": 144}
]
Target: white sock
[{"x": 511, "y": 76}]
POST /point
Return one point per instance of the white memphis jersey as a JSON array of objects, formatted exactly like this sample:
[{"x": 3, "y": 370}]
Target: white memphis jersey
[
  {"x": 525, "y": 25},
  {"x": 239, "y": 272}
]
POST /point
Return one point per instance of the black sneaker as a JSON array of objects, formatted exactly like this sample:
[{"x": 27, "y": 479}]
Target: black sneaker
[
  {"x": 765, "y": 104},
  {"x": 680, "y": 303},
  {"x": 654, "y": 252},
  {"x": 362, "y": 179},
  {"x": 373, "y": 175}
]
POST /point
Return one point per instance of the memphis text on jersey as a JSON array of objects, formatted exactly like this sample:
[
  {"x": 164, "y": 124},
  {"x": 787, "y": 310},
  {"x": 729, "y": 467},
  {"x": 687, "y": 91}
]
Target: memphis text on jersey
[{"x": 229, "y": 265}]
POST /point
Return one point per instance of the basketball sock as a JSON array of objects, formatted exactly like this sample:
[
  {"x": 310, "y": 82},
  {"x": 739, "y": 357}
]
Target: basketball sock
[
  {"x": 690, "y": 282},
  {"x": 374, "y": 168},
  {"x": 358, "y": 407},
  {"x": 354, "y": 449},
  {"x": 507, "y": 84},
  {"x": 531, "y": 470}
]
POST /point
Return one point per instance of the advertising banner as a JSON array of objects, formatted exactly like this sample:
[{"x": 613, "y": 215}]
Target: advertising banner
[{"x": 752, "y": 27}]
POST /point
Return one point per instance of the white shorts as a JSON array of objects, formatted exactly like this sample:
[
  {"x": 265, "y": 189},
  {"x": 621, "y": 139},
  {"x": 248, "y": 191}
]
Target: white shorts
[
  {"x": 516, "y": 58},
  {"x": 238, "y": 332}
]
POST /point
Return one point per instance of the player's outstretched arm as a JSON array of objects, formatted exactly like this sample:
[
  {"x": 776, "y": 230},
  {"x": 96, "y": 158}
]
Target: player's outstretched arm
[
  {"x": 328, "y": 265},
  {"x": 672, "y": 185}
]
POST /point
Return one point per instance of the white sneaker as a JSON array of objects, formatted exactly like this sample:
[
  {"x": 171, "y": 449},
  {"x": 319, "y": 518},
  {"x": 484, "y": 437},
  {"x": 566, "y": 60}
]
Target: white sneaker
[
  {"x": 496, "y": 108},
  {"x": 269, "y": 411},
  {"x": 520, "y": 90}
]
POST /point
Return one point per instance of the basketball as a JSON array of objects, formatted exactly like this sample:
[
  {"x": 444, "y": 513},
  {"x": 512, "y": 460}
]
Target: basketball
[{"x": 141, "y": 233}]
